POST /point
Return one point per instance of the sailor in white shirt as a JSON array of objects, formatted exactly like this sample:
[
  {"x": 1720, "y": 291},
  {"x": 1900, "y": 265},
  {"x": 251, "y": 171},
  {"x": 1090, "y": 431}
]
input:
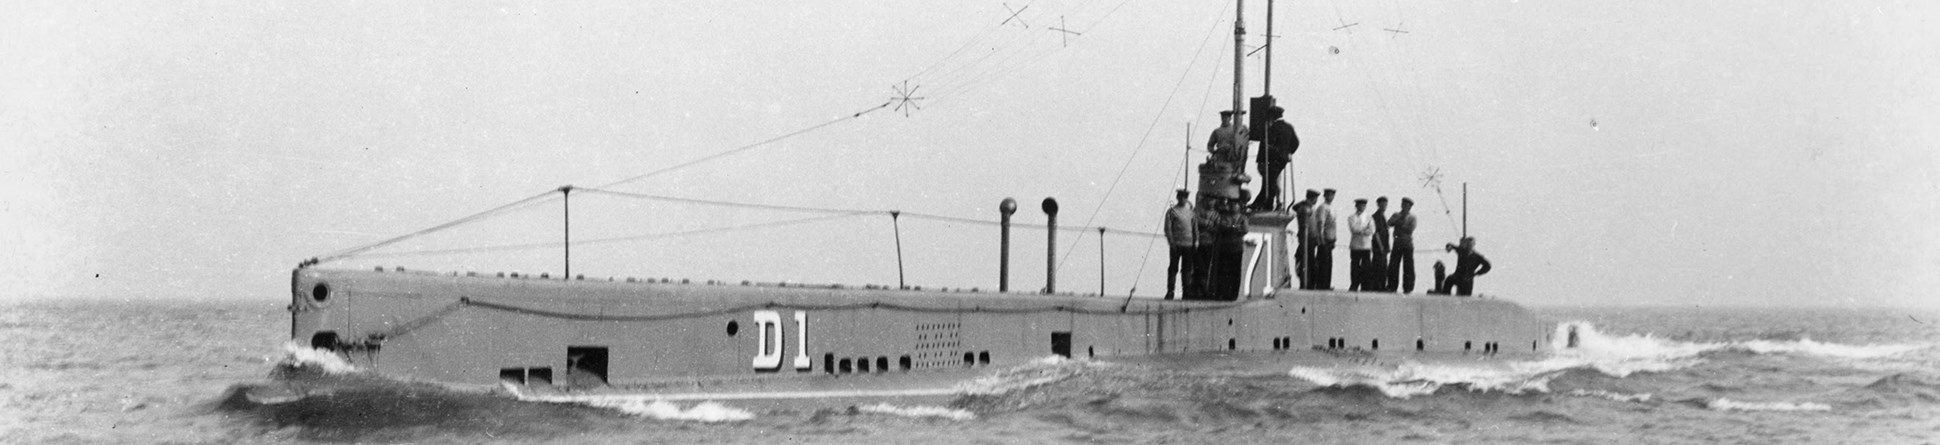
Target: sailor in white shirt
[{"x": 1360, "y": 248}]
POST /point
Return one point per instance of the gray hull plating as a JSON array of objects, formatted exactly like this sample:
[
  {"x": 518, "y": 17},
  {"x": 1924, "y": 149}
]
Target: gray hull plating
[{"x": 671, "y": 338}]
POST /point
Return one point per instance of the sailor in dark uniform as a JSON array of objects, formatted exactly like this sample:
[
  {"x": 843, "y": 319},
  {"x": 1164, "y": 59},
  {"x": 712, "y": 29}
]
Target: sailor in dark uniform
[
  {"x": 1303, "y": 252},
  {"x": 1378, "y": 265},
  {"x": 1273, "y": 158},
  {"x": 1229, "y": 250},
  {"x": 1468, "y": 265}
]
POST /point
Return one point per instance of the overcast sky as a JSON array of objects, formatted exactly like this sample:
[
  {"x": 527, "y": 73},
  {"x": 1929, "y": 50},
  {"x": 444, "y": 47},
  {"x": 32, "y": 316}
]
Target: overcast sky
[{"x": 1639, "y": 152}]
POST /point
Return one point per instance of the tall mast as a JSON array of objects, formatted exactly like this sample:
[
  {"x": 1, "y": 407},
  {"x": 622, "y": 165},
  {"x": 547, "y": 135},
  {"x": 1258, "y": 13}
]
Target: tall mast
[
  {"x": 1266, "y": 82},
  {"x": 1239, "y": 74}
]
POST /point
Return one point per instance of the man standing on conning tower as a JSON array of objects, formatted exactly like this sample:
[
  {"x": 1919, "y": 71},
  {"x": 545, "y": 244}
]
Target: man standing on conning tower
[
  {"x": 1273, "y": 158},
  {"x": 1221, "y": 143}
]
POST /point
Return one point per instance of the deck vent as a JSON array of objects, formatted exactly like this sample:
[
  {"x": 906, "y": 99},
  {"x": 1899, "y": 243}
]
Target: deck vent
[{"x": 937, "y": 345}]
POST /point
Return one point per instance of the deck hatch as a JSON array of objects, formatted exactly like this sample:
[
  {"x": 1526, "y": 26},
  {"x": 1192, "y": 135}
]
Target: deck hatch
[{"x": 1061, "y": 343}]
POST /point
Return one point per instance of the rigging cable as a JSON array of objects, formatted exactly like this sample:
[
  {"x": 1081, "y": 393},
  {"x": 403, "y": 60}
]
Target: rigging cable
[
  {"x": 547, "y": 196},
  {"x": 530, "y": 246},
  {"x": 346, "y": 253},
  {"x": 1185, "y": 163},
  {"x": 1141, "y": 143},
  {"x": 743, "y": 148},
  {"x": 907, "y": 214}
]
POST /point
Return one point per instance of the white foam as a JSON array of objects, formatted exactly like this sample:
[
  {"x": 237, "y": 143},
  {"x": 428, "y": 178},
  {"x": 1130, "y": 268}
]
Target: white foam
[
  {"x": 918, "y": 411},
  {"x": 1724, "y": 404},
  {"x": 1591, "y": 342},
  {"x": 1416, "y": 379},
  {"x": 1033, "y": 373},
  {"x": 1620, "y": 356},
  {"x": 664, "y": 410},
  {"x": 1613, "y": 396},
  {"x": 1612, "y": 355},
  {"x": 641, "y": 405},
  {"x": 1806, "y": 346},
  {"x": 304, "y": 356}
]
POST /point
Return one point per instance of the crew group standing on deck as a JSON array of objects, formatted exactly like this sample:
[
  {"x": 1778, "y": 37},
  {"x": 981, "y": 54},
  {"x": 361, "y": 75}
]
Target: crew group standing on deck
[{"x": 1207, "y": 241}]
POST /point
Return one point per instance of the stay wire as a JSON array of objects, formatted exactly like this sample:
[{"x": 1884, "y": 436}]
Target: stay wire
[
  {"x": 551, "y": 244},
  {"x": 354, "y": 251},
  {"x": 915, "y": 215},
  {"x": 1137, "y": 148},
  {"x": 1186, "y": 161},
  {"x": 743, "y": 148}
]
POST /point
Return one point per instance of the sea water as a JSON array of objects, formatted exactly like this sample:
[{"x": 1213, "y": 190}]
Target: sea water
[{"x": 180, "y": 372}]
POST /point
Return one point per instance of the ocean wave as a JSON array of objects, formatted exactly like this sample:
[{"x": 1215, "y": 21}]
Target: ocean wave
[
  {"x": 1806, "y": 346},
  {"x": 299, "y": 356},
  {"x": 918, "y": 411},
  {"x": 1029, "y": 374},
  {"x": 1592, "y": 342},
  {"x": 1616, "y": 356},
  {"x": 1410, "y": 379},
  {"x": 1724, "y": 404},
  {"x": 649, "y": 406},
  {"x": 1612, "y": 396},
  {"x": 664, "y": 410}
]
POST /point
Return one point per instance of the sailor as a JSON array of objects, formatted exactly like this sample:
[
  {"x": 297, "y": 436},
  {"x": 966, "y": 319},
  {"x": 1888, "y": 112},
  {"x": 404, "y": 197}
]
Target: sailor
[
  {"x": 1303, "y": 213},
  {"x": 1221, "y": 142},
  {"x": 1378, "y": 264},
  {"x": 1182, "y": 235},
  {"x": 1280, "y": 144},
  {"x": 1401, "y": 262},
  {"x": 1204, "y": 280},
  {"x": 1229, "y": 249},
  {"x": 1325, "y": 235},
  {"x": 1359, "y": 248},
  {"x": 1468, "y": 265}
]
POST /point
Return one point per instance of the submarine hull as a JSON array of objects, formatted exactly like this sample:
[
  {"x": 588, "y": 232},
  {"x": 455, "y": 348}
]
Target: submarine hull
[{"x": 779, "y": 341}]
